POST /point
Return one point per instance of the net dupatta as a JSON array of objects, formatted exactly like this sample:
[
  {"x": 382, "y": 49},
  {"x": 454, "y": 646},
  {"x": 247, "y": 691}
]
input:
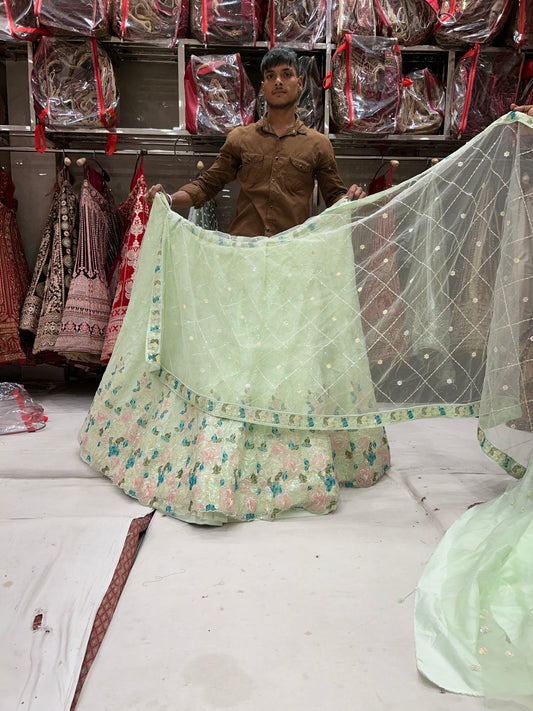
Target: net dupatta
[{"x": 270, "y": 330}]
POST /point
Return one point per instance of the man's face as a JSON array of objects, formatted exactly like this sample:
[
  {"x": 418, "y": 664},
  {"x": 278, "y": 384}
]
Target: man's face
[{"x": 281, "y": 86}]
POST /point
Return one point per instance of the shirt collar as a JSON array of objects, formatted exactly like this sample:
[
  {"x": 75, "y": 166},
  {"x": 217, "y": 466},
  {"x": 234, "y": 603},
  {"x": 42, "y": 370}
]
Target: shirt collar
[{"x": 298, "y": 126}]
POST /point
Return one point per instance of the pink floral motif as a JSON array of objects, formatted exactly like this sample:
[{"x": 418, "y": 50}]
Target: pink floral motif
[
  {"x": 318, "y": 500},
  {"x": 119, "y": 472},
  {"x": 148, "y": 491},
  {"x": 382, "y": 453},
  {"x": 318, "y": 462},
  {"x": 211, "y": 452},
  {"x": 276, "y": 448},
  {"x": 291, "y": 462},
  {"x": 364, "y": 476},
  {"x": 363, "y": 442},
  {"x": 227, "y": 501},
  {"x": 235, "y": 458},
  {"x": 250, "y": 504},
  {"x": 283, "y": 502},
  {"x": 339, "y": 439}
]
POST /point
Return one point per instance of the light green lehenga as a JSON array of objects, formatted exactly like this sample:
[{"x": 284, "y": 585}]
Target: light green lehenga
[{"x": 252, "y": 377}]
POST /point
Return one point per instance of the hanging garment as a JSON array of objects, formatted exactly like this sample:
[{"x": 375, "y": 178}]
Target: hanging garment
[
  {"x": 86, "y": 314},
  {"x": 52, "y": 275},
  {"x": 134, "y": 212},
  {"x": 13, "y": 274}
]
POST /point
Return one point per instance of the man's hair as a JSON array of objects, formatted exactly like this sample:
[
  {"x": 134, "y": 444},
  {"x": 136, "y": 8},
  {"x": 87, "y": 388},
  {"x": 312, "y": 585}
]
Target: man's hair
[{"x": 277, "y": 56}]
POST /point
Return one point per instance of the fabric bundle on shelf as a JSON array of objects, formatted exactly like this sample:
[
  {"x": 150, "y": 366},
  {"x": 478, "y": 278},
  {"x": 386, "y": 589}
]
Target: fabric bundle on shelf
[
  {"x": 410, "y": 21},
  {"x": 219, "y": 95},
  {"x": 226, "y": 21},
  {"x": 365, "y": 80},
  {"x": 422, "y": 103},
  {"x": 150, "y": 20},
  {"x": 302, "y": 21},
  {"x": 73, "y": 17},
  {"x": 468, "y": 22}
]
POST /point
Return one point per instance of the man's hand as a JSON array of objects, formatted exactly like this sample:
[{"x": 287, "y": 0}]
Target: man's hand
[
  {"x": 525, "y": 109},
  {"x": 355, "y": 192},
  {"x": 150, "y": 195}
]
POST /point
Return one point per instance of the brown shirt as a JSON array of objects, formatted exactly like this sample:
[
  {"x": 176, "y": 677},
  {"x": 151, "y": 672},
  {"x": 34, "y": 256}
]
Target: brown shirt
[{"x": 276, "y": 174}]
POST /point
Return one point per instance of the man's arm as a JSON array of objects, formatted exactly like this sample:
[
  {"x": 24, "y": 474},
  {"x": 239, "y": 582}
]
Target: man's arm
[
  {"x": 331, "y": 186},
  {"x": 207, "y": 185}
]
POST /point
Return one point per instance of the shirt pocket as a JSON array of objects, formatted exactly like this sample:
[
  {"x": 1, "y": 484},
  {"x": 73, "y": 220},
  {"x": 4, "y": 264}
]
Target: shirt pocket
[
  {"x": 299, "y": 178},
  {"x": 251, "y": 167}
]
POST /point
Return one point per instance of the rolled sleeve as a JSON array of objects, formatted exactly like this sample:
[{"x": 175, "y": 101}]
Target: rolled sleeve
[{"x": 223, "y": 171}]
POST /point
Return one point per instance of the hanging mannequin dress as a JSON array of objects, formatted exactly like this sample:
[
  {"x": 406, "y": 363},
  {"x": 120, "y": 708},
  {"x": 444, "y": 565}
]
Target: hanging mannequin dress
[
  {"x": 47, "y": 294},
  {"x": 13, "y": 274},
  {"x": 86, "y": 313},
  {"x": 134, "y": 212}
]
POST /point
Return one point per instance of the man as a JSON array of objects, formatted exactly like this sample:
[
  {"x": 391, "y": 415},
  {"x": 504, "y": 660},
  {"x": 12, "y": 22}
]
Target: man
[{"x": 276, "y": 161}]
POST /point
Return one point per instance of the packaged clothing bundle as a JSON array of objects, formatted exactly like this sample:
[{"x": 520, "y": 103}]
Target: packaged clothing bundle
[
  {"x": 519, "y": 31},
  {"x": 73, "y": 84},
  {"x": 148, "y": 20},
  {"x": 17, "y": 20},
  {"x": 18, "y": 411},
  {"x": 79, "y": 17},
  {"x": 218, "y": 94},
  {"x": 468, "y": 22},
  {"x": 301, "y": 21},
  {"x": 422, "y": 103},
  {"x": 485, "y": 83},
  {"x": 226, "y": 21},
  {"x": 525, "y": 90},
  {"x": 365, "y": 82},
  {"x": 354, "y": 16},
  {"x": 310, "y": 102},
  {"x": 410, "y": 21}
]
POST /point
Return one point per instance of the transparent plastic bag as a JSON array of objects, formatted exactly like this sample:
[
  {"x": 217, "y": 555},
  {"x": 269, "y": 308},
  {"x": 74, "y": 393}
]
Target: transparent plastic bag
[
  {"x": 410, "y": 21},
  {"x": 422, "y": 103},
  {"x": 226, "y": 21},
  {"x": 149, "y": 20},
  {"x": 78, "y": 17},
  {"x": 354, "y": 16},
  {"x": 310, "y": 108},
  {"x": 468, "y": 22},
  {"x": 218, "y": 94},
  {"x": 485, "y": 83},
  {"x": 18, "y": 411},
  {"x": 301, "y": 21},
  {"x": 17, "y": 20},
  {"x": 519, "y": 32},
  {"x": 73, "y": 84},
  {"x": 365, "y": 81}
]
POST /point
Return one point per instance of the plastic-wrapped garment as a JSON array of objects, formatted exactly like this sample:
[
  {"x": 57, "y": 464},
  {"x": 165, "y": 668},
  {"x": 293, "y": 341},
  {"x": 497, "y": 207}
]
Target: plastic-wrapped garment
[
  {"x": 485, "y": 84},
  {"x": 310, "y": 102},
  {"x": 18, "y": 411},
  {"x": 422, "y": 103},
  {"x": 468, "y": 22},
  {"x": 134, "y": 212},
  {"x": 410, "y": 21},
  {"x": 519, "y": 30},
  {"x": 226, "y": 21},
  {"x": 73, "y": 17},
  {"x": 86, "y": 314},
  {"x": 52, "y": 274},
  {"x": 354, "y": 16},
  {"x": 148, "y": 20},
  {"x": 365, "y": 81},
  {"x": 17, "y": 21},
  {"x": 13, "y": 274},
  {"x": 219, "y": 95},
  {"x": 73, "y": 84},
  {"x": 301, "y": 21}
]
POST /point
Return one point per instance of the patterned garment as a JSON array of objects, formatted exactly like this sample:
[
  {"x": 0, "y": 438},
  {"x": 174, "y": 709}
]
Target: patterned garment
[
  {"x": 52, "y": 275},
  {"x": 134, "y": 212},
  {"x": 13, "y": 274},
  {"x": 88, "y": 306}
]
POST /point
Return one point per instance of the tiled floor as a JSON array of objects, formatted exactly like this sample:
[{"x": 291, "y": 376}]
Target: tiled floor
[{"x": 305, "y": 613}]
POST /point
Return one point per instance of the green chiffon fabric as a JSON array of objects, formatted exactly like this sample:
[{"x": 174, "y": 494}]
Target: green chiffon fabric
[{"x": 253, "y": 377}]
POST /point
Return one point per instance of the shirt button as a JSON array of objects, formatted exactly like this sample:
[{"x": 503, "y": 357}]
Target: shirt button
[
  {"x": 267, "y": 229},
  {"x": 276, "y": 158},
  {"x": 273, "y": 180},
  {"x": 270, "y": 207}
]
